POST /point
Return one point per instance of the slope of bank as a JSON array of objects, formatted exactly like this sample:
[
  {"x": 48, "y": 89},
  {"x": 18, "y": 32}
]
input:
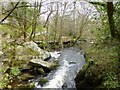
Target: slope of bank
[{"x": 104, "y": 70}]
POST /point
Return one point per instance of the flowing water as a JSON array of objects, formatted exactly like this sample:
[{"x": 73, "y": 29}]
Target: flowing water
[{"x": 71, "y": 61}]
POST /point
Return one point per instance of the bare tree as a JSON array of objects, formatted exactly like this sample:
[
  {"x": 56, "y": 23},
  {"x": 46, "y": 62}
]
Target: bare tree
[
  {"x": 62, "y": 20},
  {"x": 34, "y": 21},
  {"x": 9, "y": 13},
  {"x": 56, "y": 21}
]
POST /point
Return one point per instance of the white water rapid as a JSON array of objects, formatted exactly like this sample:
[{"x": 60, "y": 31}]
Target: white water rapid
[{"x": 71, "y": 61}]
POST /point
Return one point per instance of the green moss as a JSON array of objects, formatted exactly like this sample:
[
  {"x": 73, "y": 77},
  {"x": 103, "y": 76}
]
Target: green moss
[
  {"x": 42, "y": 81},
  {"x": 15, "y": 71},
  {"x": 111, "y": 80},
  {"x": 4, "y": 81},
  {"x": 106, "y": 60},
  {"x": 41, "y": 70},
  {"x": 81, "y": 74},
  {"x": 55, "y": 65}
]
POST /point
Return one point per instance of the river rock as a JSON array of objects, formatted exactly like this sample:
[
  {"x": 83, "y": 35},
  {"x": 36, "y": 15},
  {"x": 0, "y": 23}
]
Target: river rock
[
  {"x": 42, "y": 63},
  {"x": 30, "y": 50},
  {"x": 89, "y": 76},
  {"x": 80, "y": 82},
  {"x": 42, "y": 54},
  {"x": 81, "y": 74}
]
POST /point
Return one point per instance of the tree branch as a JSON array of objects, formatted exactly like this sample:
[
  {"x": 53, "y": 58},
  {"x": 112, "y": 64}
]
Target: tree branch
[
  {"x": 98, "y": 3},
  {"x": 9, "y": 13}
]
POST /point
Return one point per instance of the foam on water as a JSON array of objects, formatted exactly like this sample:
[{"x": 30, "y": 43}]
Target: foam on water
[{"x": 71, "y": 61}]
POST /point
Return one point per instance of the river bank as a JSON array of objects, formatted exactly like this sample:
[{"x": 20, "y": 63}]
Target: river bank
[{"x": 104, "y": 72}]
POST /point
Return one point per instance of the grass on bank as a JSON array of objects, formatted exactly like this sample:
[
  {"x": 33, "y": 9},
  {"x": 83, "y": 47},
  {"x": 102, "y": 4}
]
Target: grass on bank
[{"x": 106, "y": 57}]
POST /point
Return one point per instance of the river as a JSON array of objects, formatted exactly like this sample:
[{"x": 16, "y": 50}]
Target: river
[{"x": 71, "y": 60}]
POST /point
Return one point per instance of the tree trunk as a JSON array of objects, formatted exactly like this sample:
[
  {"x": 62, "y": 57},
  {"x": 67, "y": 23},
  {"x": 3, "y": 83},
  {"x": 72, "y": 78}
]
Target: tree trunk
[
  {"x": 110, "y": 10},
  {"x": 24, "y": 20},
  {"x": 56, "y": 22},
  {"x": 34, "y": 24}
]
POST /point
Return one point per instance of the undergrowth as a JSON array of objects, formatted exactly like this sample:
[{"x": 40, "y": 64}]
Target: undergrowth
[{"x": 106, "y": 56}]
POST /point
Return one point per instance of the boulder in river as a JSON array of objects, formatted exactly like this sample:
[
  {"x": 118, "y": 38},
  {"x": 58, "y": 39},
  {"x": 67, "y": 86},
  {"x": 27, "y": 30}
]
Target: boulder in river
[
  {"x": 42, "y": 54},
  {"x": 42, "y": 63},
  {"x": 30, "y": 52}
]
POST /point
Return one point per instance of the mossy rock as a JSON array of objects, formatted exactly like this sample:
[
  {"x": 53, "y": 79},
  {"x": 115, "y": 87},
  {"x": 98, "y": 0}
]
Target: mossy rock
[
  {"x": 46, "y": 65},
  {"x": 81, "y": 74},
  {"x": 25, "y": 53},
  {"x": 93, "y": 80},
  {"x": 83, "y": 84},
  {"x": 42, "y": 81},
  {"x": 55, "y": 65},
  {"x": 94, "y": 75},
  {"x": 41, "y": 70}
]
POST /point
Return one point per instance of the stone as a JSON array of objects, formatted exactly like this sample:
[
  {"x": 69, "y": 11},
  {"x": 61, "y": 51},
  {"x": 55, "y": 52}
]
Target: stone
[
  {"x": 1, "y": 53},
  {"x": 82, "y": 79},
  {"x": 81, "y": 74},
  {"x": 42, "y": 63},
  {"x": 29, "y": 51},
  {"x": 42, "y": 54}
]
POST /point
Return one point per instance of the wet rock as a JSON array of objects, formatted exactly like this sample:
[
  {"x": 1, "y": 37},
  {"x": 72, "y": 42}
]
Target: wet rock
[
  {"x": 81, "y": 74},
  {"x": 83, "y": 79},
  {"x": 34, "y": 70},
  {"x": 91, "y": 77},
  {"x": 46, "y": 65},
  {"x": 42, "y": 81},
  {"x": 42, "y": 63},
  {"x": 72, "y": 62},
  {"x": 89, "y": 80},
  {"x": 64, "y": 86}
]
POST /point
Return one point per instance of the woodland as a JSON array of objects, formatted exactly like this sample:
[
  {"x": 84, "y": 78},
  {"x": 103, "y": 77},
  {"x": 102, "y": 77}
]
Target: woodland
[{"x": 93, "y": 27}]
